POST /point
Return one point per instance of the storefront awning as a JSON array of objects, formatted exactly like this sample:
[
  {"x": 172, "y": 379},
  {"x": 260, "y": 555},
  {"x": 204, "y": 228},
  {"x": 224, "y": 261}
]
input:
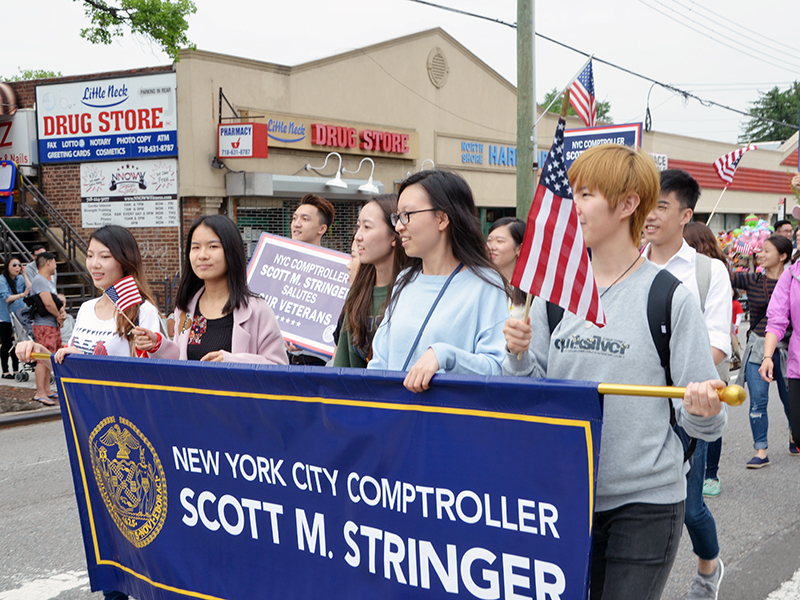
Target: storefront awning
[
  {"x": 8, "y": 100},
  {"x": 291, "y": 186}
]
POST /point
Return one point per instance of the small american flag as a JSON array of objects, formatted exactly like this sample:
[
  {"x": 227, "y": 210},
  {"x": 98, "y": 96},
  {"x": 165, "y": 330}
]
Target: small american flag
[
  {"x": 553, "y": 252},
  {"x": 124, "y": 293},
  {"x": 581, "y": 96},
  {"x": 726, "y": 165}
]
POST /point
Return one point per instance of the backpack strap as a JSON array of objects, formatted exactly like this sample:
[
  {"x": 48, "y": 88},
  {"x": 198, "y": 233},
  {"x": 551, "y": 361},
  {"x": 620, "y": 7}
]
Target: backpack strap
[
  {"x": 659, "y": 317},
  {"x": 554, "y": 315},
  {"x": 702, "y": 272}
]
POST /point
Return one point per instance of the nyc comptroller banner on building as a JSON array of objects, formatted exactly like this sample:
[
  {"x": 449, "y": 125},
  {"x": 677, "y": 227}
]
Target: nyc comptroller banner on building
[{"x": 231, "y": 481}]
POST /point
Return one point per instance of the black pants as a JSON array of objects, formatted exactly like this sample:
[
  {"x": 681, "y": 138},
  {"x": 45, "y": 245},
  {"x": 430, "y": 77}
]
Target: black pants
[
  {"x": 7, "y": 341},
  {"x": 633, "y": 549},
  {"x": 794, "y": 408}
]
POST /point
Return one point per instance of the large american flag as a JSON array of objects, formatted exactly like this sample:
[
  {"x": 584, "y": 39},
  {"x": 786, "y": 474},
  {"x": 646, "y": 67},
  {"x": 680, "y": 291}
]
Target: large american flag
[
  {"x": 553, "y": 263},
  {"x": 581, "y": 96},
  {"x": 124, "y": 293},
  {"x": 726, "y": 165}
]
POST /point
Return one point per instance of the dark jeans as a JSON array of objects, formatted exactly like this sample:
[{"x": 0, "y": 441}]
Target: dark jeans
[
  {"x": 712, "y": 460},
  {"x": 633, "y": 549},
  {"x": 7, "y": 341},
  {"x": 794, "y": 408},
  {"x": 699, "y": 521}
]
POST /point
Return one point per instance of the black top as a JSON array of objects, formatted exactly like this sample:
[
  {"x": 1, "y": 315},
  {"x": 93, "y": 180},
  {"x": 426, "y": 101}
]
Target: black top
[
  {"x": 209, "y": 335},
  {"x": 759, "y": 290}
]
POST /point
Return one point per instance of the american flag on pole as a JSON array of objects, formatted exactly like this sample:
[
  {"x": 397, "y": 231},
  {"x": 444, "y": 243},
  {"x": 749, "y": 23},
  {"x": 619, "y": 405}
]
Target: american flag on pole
[
  {"x": 581, "y": 96},
  {"x": 553, "y": 263},
  {"x": 726, "y": 165},
  {"x": 124, "y": 293}
]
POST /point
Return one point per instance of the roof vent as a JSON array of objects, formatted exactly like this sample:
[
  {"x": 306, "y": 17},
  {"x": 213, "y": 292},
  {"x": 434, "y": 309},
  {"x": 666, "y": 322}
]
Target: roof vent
[{"x": 438, "y": 69}]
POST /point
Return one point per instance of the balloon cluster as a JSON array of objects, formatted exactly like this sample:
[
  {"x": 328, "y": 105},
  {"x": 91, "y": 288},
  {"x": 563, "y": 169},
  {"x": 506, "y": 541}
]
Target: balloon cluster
[{"x": 751, "y": 237}]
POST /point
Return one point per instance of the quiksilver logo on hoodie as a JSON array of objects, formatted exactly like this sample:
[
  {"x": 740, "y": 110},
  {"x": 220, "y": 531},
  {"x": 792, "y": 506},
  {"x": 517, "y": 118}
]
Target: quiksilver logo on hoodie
[{"x": 595, "y": 345}]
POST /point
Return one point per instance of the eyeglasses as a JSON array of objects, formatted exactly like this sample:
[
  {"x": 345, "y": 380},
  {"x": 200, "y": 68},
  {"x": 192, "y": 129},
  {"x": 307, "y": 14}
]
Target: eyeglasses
[{"x": 405, "y": 216}]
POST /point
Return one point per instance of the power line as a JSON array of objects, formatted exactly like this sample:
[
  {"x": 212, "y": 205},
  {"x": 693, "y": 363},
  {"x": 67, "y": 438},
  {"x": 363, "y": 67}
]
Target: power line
[
  {"x": 737, "y": 48},
  {"x": 724, "y": 18},
  {"x": 715, "y": 22},
  {"x": 672, "y": 88}
]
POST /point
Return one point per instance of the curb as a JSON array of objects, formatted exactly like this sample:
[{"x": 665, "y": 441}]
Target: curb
[{"x": 28, "y": 417}]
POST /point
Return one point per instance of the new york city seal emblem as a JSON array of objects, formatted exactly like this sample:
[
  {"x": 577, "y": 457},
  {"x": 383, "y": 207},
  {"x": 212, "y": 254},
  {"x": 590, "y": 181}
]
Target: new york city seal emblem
[{"x": 130, "y": 478}]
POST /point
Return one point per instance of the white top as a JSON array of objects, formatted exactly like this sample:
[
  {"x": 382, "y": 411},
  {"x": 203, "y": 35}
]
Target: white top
[
  {"x": 93, "y": 336},
  {"x": 719, "y": 301}
]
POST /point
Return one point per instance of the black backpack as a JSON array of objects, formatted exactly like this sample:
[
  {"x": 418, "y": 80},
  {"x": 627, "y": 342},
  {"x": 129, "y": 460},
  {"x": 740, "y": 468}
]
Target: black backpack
[{"x": 659, "y": 317}]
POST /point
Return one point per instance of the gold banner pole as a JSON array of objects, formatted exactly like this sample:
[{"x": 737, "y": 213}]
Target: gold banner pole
[{"x": 733, "y": 394}]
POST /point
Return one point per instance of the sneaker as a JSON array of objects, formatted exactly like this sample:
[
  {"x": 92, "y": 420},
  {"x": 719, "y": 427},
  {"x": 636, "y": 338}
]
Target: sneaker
[
  {"x": 711, "y": 488},
  {"x": 793, "y": 450},
  {"x": 704, "y": 588},
  {"x": 757, "y": 463}
]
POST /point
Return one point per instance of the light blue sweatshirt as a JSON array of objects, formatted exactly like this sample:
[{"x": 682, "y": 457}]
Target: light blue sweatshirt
[{"x": 465, "y": 331}]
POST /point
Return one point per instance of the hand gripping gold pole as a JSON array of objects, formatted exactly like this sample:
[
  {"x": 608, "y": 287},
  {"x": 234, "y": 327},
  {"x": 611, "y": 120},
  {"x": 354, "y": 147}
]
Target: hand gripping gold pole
[{"x": 733, "y": 395}]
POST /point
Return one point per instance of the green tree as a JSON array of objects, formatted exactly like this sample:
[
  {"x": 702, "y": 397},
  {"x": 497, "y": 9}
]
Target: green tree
[
  {"x": 603, "y": 108},
  {"x": 162, "y": 21},
  {"x": 26, "y": 74},
  {"x": 776, "y": 105}
]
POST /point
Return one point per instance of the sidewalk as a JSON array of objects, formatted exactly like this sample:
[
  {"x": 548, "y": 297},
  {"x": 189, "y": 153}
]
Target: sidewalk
[{"x": 17, "y": 406}]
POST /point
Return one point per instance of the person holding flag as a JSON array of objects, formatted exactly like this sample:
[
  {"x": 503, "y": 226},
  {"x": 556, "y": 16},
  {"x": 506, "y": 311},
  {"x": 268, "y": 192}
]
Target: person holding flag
[
  {"x": 217, "y": 318},
  {"x": 104, "y": 325},
  {"x": 641, "y": 483}
]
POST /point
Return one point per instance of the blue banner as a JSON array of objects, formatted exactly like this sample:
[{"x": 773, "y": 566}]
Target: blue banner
[
  {"x": 578, "y": 141},
  {"x": 200, "y": 480}
]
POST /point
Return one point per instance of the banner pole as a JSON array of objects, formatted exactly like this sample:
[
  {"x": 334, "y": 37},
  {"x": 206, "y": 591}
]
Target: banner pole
[{"x": 733, "y": 394}]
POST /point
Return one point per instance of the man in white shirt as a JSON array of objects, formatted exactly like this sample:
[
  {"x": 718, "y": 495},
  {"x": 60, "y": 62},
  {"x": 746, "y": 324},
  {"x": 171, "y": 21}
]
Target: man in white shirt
[{"x": 663, "y": 230}]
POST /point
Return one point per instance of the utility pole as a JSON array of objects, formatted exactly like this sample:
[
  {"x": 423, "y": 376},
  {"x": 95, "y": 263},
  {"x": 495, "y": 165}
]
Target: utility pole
[{"x": 526, "y": 106}]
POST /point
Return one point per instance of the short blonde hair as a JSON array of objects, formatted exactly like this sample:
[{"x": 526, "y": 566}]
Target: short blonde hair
[{"x": 616, "y": 172}]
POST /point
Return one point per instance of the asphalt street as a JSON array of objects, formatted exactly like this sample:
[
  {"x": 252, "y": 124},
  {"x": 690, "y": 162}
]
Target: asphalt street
[{"x": 42, "y": 557}]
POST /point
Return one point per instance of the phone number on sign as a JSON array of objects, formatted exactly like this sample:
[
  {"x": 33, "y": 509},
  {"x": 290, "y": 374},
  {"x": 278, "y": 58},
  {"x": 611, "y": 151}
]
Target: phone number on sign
[{"x": 156, "y": 148}]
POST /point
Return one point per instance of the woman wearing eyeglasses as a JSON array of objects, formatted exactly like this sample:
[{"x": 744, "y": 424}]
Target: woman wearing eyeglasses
[
  {"x": 447, "y": 309},
  {"x": 12, "y": 291}
]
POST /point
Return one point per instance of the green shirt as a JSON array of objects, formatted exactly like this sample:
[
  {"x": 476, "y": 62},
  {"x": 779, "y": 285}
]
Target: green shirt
[{"x": 346, "y": 356}]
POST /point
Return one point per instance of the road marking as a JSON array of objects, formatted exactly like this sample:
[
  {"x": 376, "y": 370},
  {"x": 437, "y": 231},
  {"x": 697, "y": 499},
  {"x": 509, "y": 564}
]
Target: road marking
[
  {"x": 790, "y": 590},
  {"x": 44, "y": 589}
]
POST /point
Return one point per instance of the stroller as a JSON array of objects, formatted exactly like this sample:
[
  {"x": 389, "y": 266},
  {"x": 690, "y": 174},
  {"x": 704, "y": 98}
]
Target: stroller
[{"x": 22, "y": 324}]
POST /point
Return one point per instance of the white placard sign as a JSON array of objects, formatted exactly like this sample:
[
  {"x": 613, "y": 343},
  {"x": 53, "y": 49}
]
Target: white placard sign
[{"x": 141, "y": 193}]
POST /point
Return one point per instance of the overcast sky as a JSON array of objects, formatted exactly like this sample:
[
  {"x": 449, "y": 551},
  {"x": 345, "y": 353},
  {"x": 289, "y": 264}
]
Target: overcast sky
[{"x": 640, "y": 35}]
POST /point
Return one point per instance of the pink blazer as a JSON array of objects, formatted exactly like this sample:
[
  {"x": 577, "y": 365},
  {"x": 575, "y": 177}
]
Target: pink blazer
[{"x": 256, "y": 336}]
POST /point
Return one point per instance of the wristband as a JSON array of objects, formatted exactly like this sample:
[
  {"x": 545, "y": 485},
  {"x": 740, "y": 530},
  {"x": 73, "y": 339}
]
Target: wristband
[
  {"x": 158, "y": 344},
  {"x": 765, "y": 358}
]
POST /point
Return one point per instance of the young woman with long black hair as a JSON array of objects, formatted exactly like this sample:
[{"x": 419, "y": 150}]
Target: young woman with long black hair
[
  {"x": 100, "y": 329},
  {"x": 447, "y": 309},
  {"x": 217, "y": 318},
  {"x": 381, "y": 258},
  {"x": 12, "y": 292}
]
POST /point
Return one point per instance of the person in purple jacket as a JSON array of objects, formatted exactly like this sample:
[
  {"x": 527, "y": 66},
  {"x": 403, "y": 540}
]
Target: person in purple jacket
[{"x": 783, "y": 311}]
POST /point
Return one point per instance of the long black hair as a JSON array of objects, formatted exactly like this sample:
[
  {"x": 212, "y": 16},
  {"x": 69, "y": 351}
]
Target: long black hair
[
  {"x": 233, "y": 249},
  {"x": 125, "y": 250},
  {"x": 449, "y": 193},
  {"x": 7, "y": 274}
]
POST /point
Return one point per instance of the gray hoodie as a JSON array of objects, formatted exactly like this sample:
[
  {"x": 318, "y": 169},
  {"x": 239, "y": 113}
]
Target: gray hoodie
[{"x": 641, "y": 458}]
